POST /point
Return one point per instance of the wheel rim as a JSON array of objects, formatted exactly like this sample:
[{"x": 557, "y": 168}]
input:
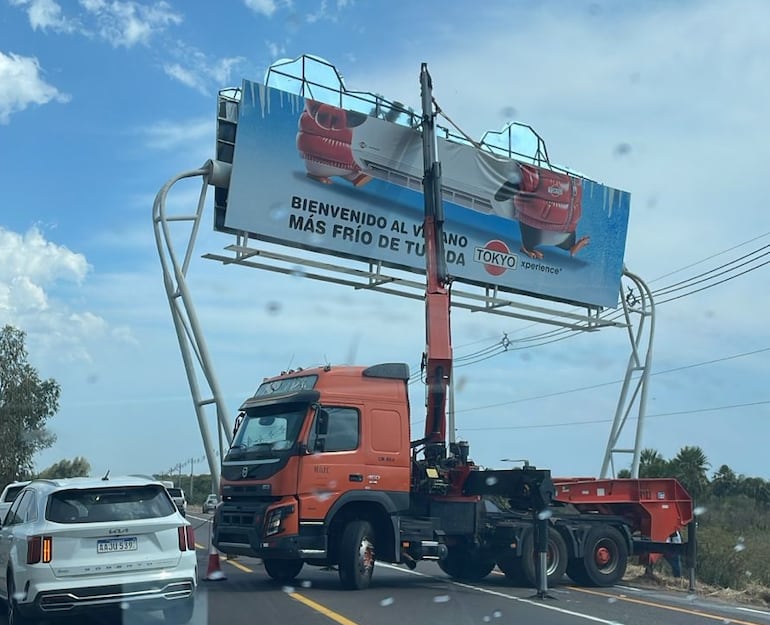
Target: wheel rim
[
  {"x": 552, "y": 559},
  {"x": 605, "y": 556},
  {"x": 366, "y": 555}
]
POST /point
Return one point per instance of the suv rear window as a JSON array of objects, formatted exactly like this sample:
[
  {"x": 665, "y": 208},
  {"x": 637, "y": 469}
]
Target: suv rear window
[
  {"x": 174, "y": 492},
  {"x": 12, "y": 491},
  {"x": 124, "y": 503}
]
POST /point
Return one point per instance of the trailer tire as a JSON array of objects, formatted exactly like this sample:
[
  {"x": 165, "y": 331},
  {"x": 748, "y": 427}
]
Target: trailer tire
[
  {"x": 576, "y": 570},
  {"x": 282, "y": 570},
  {"x": 356, "y": 555},
  {"x": 556, "y": 559},
  {"x": 465, "y": 565},
  {"x": 510, "y": 565},
  {"x": 605, "y": 556}
]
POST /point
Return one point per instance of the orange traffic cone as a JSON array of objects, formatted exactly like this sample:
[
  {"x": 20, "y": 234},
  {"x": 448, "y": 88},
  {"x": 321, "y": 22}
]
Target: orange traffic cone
[{"x": 214, "y": 573}]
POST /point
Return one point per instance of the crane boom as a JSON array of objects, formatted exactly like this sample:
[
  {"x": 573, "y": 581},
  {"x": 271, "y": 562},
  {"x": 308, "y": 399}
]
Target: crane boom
[{"x": 437, "y": 359}]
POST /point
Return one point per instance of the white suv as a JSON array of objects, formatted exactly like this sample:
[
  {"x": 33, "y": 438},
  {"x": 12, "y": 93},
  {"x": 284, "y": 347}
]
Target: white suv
[{"x": 87, "y": 544}]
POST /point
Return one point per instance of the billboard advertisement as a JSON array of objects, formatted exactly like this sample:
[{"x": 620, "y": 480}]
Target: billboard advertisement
[{"x": 310, "y": 175}]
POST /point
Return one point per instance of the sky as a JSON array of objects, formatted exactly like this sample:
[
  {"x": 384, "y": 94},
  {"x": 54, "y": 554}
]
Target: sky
[{"x": 103, "y": 101}]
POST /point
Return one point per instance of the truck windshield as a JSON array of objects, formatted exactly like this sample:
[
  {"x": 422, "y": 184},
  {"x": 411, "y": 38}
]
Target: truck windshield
[{"x": 270, "y": 429}]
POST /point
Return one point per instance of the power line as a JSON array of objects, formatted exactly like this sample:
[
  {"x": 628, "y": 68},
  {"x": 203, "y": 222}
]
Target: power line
[{"x": 594, "y": 421}]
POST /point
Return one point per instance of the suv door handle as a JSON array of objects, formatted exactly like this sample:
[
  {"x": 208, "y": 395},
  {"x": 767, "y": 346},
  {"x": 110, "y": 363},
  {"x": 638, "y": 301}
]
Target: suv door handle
[{"x": 355, "y": 477}]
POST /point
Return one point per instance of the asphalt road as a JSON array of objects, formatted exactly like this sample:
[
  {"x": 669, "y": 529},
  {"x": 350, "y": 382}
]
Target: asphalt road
[{"x": 424, "y": 597}]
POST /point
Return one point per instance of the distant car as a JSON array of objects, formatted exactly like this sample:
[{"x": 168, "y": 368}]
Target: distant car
[
  {"x": 177, "y": 494},
  {"x": 83, "y": 545},
  {"x": 8, "y": 495},
  {"x": 210, "y": 504}
]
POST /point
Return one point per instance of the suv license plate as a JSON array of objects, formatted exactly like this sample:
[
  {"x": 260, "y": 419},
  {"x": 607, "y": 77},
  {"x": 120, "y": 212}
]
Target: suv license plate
[{"x": 111, "y": 545}]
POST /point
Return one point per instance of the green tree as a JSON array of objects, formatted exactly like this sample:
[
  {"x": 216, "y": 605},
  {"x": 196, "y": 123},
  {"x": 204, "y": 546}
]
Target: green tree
[
  {"x": 724, "y": 482},
  {"x": 653, "y": 464},
  {"x": 77, "y": 467},
  {"x": 26, "y": 404},
  {"x": 690, "y": 467}
]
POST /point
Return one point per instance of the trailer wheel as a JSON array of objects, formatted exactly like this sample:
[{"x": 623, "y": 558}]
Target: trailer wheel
[
  {"x": 510, "y": 565},
  {"x": 465, "y": 565},
  {"x": 356, "y": 555},
  {"x": 556, "y": 557},
  {"x": 576, "y": 569},
  {"x": 605, "y": 556},
  {"x": 282, "y": 570}
]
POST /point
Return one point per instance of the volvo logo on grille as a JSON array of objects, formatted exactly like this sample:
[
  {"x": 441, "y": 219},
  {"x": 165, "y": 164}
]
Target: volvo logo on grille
[{"x": 244, "y": 471}]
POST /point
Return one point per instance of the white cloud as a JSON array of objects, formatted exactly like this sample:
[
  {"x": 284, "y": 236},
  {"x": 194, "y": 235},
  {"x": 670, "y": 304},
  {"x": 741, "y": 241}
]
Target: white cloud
[
  {"x": 22, "y": 85},
  {"x": 263, "y": 7},
  {"x": 195, "y": 69},
  {"x": 32, "y": 272},
  {"x": 126, "y": 23},
  {"x": 45, "y": 15}
]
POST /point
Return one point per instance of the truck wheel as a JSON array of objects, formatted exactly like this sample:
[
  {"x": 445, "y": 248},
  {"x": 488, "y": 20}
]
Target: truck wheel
[
  {"x": 283, "y": 570},
  {"x": 465, "y": 565},
  {"x": 576, "y": 569},
  {"x": 556, "y": 558},
  {"x": 605, "y": 556},
  {"x": 356, "y": 555},
  {"x": 510, "y": 565}
]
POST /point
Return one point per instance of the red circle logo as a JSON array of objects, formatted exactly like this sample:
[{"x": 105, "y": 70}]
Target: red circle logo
[{"x": 496, "y": 246}]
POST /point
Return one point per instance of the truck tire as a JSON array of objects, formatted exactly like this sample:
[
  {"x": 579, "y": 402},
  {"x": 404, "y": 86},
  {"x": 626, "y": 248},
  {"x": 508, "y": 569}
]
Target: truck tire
[
  {"x": 282, "y": 570},
  {"x": 576, "y": 569},
  {"x": 605, "y": 556},
  {"x": 466, "y": 565},
  {"x": 510, "y": 565},
  {"x": 556, "y": 558},
  {"x": 356, "y": 555}
]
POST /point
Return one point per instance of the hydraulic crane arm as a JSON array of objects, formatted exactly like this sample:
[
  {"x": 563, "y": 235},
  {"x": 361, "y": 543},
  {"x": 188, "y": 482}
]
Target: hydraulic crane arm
[{"x": 437, "y": 359}]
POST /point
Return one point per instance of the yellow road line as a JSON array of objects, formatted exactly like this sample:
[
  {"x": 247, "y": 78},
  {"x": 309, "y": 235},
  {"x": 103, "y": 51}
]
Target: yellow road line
[
  {"x": 662, "y": 606},
  {"x": 322, "y": 609},
  {"x": 238, "y": 565}
]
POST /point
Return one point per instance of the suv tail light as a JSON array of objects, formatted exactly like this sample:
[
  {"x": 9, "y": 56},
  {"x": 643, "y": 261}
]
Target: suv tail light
[
  {"x": 186, "y": 535},
  {"x": 39, "y": 549}
]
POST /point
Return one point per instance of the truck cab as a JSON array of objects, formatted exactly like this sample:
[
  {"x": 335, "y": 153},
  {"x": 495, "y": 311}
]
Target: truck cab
[{"x": 312, "y": 447}]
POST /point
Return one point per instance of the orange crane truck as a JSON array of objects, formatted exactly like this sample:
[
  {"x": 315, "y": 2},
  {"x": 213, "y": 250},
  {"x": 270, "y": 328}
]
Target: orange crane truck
[{"x": 323, "y": 470}]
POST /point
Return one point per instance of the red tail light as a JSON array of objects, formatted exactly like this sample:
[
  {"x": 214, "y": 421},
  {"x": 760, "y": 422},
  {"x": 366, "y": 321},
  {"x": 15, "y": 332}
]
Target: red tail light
[
  {"x": 39, "y": 549},
  {"x": 186, "y": 535}
]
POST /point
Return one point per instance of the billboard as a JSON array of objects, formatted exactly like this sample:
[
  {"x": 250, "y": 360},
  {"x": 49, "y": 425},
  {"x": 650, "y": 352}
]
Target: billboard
[{"x": 319, "y": 177}]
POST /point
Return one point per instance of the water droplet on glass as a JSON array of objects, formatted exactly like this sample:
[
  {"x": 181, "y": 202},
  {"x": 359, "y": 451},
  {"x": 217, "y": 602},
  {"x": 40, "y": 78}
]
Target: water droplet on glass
[
  {"x": 508, "y": 112},
  {"x": 491, "y": 480},
  {"x": 748, "y": 573},
  {"x": 487, "y": 619},
  {"x": 124, "y": 605},
  {"x": 386, "y": 602},
  {"x": 288, "y": 589},
  {"x": 273, "y": 307},
  {"x": 297, "y": 272},
  {"x": 699, "y": 510},
  {"x": 621, "y": 149},
  {"x": 322, "y": 495},
  {"x": 612, "y": 600},
  {"x": 692, "y": 597},
  {"x": 497, "y": 614},
  {"x": 544, "y": 514},
  {"x": 277, "y": 212},
  {"x": 306, "y": 583},
  {"x": 333, "y": 484},
  {"x": 440, "y": 598}
]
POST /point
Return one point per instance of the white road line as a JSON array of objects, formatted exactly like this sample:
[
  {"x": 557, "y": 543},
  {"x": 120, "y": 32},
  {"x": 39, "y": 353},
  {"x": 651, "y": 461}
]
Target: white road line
[
  {"x": 753, "y": 611},
  {"x": 628, "y": 588},
  {"x": 496, "y": 593}
]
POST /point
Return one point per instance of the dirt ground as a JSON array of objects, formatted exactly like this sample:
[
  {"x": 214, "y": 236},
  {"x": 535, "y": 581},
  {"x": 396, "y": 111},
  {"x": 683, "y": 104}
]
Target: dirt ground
[{"x": 754, "y": 594}]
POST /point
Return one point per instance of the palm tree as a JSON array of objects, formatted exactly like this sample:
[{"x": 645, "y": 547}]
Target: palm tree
[
  {"x": 689, "y": 467},
  {"x": 725, "y": 482},
  {"x": 653, "y": 464}
]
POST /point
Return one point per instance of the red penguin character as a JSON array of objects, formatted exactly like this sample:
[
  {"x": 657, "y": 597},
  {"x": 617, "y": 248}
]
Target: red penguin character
[
  {"x": 323, "y": 140},
  {"x": 548, "y": 205}
]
